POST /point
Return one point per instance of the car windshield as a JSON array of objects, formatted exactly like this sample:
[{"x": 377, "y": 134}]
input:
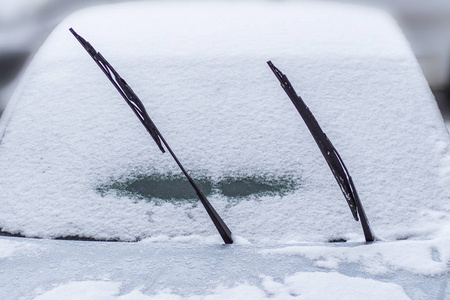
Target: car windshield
[{"x": 76, "y": 162}]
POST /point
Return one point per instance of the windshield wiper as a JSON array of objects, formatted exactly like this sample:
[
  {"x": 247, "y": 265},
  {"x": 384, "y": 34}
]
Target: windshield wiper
[
  {"x": 138, "y": 108},
  {"x": 330, "y": 154}
]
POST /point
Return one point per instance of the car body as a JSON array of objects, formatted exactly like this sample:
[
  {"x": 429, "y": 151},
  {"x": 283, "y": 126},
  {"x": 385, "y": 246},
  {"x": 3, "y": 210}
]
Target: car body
[{"x": 77, "y": 164}]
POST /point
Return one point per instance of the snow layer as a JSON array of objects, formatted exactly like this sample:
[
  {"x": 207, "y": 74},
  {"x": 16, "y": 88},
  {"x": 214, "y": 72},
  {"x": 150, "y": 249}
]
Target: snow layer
[
  {"x": 189, "y": 271},
  {"x": 301, "y": 286},
  {"x": 16, "y": 248},
  {"x": 201, "y": 71},
  {"x": 420, "y": 257}
]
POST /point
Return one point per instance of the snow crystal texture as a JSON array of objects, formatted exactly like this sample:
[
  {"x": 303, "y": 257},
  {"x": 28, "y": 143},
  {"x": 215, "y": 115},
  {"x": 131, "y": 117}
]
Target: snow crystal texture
[{"x": 200, "y": 70}]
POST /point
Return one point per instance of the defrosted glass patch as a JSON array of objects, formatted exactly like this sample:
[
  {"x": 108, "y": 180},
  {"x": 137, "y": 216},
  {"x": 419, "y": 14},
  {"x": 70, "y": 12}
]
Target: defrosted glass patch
[{"x": 174, "y": 188}]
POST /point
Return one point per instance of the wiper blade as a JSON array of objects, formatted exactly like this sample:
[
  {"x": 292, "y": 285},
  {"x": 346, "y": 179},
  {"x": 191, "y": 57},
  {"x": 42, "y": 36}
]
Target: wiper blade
[
  {"x": 138, "y": 108},
  {"x": 330, "y": 154},
  {"x": 123, "y": 88}
]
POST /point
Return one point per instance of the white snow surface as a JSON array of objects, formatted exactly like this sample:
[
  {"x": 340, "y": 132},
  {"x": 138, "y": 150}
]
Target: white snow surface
[
  {"x": 302, "y": 285},
  {"x": 200, "y": 70},
  {"x": 51, "y": 269},
  {"x": 17, "y": 248}
]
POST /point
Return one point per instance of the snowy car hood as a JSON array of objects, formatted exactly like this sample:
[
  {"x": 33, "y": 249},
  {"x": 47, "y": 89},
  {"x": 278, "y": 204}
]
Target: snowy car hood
[{"x": 184, "y": 270}]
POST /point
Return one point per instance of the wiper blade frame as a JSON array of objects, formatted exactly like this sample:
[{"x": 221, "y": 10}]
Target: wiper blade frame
[{"x": 330, "y": 154}]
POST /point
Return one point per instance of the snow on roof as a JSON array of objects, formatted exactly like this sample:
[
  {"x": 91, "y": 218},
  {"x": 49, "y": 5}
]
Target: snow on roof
[{"x": 75, "y": 160}]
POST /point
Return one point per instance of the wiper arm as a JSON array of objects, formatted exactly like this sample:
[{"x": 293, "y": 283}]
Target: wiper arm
[
  {"x": 330, "y": 154},
  {"x": 138, "y": 108}
]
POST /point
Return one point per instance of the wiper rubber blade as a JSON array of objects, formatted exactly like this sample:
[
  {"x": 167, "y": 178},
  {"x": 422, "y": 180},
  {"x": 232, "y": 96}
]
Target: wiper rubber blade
[
  {"x": 123, "y": 88},
  {"x": 138, "y": 108},
  {"x": 330, "y": 154}
]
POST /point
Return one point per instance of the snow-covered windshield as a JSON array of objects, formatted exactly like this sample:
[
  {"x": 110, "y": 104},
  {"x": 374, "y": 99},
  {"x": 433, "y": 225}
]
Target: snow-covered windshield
[{"x": 75, "y": 161}]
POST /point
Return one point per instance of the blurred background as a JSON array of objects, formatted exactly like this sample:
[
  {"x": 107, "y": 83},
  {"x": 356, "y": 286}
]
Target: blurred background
[{"x": 25, "y": 24}]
